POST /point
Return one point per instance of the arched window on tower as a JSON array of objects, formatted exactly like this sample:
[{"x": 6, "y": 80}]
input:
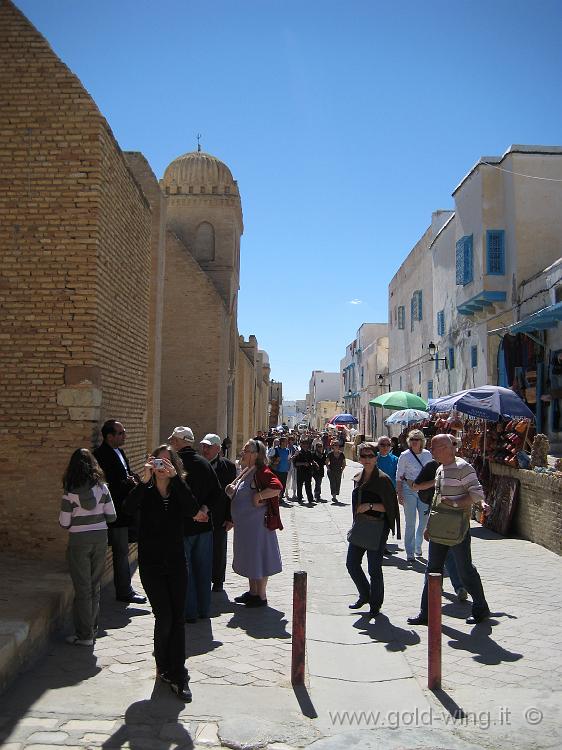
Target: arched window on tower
[{"x": 205, "y": 242}]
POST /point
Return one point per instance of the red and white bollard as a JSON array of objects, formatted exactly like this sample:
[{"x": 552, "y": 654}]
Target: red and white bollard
[
  {"x": 299, "y": 628},
  {"x": 434, "y": 593}
]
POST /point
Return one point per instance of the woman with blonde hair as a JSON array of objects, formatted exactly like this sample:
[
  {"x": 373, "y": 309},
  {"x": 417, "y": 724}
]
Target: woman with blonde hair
[
  {"x": 410, "y": 464},
  {"x": 256, "y": 554}
]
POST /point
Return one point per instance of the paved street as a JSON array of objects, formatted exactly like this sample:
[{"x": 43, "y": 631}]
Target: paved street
[{"x": 366, "y": 681}]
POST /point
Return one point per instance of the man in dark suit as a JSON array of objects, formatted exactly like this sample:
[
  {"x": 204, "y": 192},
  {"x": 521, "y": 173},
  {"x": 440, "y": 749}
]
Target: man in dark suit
[
  {"x": 225, "y": 470},
  {"x": 120, "y": 480}
]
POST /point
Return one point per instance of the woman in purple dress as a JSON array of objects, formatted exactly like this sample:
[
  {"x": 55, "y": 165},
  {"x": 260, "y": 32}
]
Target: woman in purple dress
[{"x": 256, "y": 554}]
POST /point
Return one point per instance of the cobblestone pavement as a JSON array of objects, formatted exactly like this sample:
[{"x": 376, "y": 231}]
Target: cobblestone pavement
[{"x": 503, "y": 676}]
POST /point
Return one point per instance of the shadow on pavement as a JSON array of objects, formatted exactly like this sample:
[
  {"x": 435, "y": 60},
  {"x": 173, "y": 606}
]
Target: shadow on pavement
[
  {"x": 115, "y": 615},
  {"x": 383, "y": 631},
  {"x": 262, "y": 622},
  {"x": 481, "y": 532},
  {"x": 304, "y": 701},
  {"x": 392, "y": 561},
  {"x": 199, "y": 638},
  {"x": 155, "y": 720},
  {"x": 479, "y": 642},
  {"x": 61, "y": 666},
  {"x": 449, "y": 704}
]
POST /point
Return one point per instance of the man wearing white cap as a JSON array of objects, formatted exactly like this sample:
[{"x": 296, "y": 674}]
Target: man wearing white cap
[
  {"x": 198, "y": 534},
  {"x": 225, "y": 470}
]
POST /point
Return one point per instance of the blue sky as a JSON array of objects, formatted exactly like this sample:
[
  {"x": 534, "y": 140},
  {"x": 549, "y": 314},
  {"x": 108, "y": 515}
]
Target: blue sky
[{"x": 345, "y": 123}]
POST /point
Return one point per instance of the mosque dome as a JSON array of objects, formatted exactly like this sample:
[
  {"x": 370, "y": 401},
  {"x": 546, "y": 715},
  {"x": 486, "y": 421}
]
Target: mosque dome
[{"x": 199, "y": 173}]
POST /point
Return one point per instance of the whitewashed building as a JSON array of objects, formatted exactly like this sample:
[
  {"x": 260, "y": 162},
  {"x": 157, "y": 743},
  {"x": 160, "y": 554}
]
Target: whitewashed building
[
  {"x": 463, "y": 284},
  {"x": 364, "y": 374}
]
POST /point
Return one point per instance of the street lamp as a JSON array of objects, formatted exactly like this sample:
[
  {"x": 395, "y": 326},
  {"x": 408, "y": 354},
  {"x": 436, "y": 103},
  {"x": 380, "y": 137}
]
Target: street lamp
[
  {"x": 434, "y": 354},
  {"x": 380, "y": 380}
]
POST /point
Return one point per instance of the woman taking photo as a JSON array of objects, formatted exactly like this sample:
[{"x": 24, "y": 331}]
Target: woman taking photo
[
  {"x": 86, "y": 509},
  {"x": 164, "y": 501},
  {"x": 256, "y": 554},
  {"x": 410, "y": 463},
  {"x": 374, "y": 494}
]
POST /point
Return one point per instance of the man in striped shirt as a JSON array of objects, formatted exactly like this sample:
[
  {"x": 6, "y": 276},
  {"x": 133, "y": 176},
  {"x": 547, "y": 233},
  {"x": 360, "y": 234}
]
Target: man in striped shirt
[{"x": 456, "y": 486}]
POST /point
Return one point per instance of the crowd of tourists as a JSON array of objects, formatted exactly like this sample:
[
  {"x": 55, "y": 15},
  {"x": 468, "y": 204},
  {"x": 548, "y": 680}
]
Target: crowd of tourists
[{"x": 183, "y": 502}]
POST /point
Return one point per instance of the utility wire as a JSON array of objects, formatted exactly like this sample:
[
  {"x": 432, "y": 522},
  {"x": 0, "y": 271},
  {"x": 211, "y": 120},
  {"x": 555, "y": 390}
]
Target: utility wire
[{"x": 520, "y": 174}]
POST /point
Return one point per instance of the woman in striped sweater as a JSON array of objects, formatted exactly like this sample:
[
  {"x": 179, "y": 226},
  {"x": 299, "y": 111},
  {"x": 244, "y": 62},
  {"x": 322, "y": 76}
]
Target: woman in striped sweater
[{"x": 86, "y": 509}]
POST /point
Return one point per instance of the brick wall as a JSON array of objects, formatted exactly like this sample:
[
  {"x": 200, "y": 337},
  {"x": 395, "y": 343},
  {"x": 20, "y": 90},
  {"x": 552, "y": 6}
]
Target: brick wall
[
  {"x": 195, "y": 347},
  {"x": 75, "y": 241},
  {"x": 539, "y": 514},
  {"x": 151, "y": 188}
]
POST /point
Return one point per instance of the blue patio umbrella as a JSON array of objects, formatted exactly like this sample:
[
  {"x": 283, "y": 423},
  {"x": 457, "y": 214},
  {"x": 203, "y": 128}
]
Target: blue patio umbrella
[
  {"x": 344, "y": 419},
  {"x": 491, "y": 402}
]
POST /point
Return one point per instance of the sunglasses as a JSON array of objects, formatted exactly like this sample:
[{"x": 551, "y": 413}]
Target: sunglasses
[
  {"x": 415, "y": 440},
  {"x": 384, "y": 445},
  {"x": 367, "y": 455}
]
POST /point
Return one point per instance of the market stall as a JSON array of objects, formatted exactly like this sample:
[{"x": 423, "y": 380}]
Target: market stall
[{"x": 493, "y": 425}]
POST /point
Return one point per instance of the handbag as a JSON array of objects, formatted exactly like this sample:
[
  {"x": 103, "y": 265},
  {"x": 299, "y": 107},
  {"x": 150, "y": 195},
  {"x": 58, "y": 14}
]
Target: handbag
[
  {"x": 446, "y": 525},
  {"x": 272, "y": 517},
  {"x": 366, "y": 531},
  {"x": 275, "y": 460},
  {"x": 427, "y": 472}
]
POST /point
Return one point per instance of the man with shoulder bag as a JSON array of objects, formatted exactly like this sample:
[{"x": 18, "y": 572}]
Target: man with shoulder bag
[{"x": 456, "y": 489}]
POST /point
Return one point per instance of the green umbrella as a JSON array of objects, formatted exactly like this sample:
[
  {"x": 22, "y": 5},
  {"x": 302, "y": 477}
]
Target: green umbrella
[{"x": 399, "y": 400}]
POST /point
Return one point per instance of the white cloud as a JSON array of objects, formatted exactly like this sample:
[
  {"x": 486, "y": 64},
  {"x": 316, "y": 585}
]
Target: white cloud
[{"x": 355, "y": 301}]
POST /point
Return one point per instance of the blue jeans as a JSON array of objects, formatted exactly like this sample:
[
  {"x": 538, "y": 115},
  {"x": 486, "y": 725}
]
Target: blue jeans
[
  {"x": 453, "y": 572},
  {"x": 468, "y": 573},
  {"x": 199, "y": 561},
  {"x": 413, "y": 506},
  {"x": 373, "y": 592}
]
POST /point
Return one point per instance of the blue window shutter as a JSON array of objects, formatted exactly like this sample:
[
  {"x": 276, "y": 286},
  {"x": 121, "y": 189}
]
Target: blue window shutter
[
  {"x": 420, "y": 300},
  {"x": 451, "y": 358},
  {"x": 468, "y": 271},
  {"x": 495, "y": 252},
  {"x": 400, "y": 382},
  {"x": 430, "y": 388},
  {"x": 437, "y": 363},
  {"x": 464, "y": 264},
  {"x": 441, "y": 323},
  {"x": 474, "y": 356},
  {"x": 460, "y": 261},
  {"x": 401, "y": 317}
]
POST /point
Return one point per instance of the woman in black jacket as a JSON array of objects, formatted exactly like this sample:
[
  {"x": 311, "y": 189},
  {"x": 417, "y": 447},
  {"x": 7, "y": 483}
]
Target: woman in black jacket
[
  {"x": 164, "y": 501},
  {"x": 375, "y": 495}
]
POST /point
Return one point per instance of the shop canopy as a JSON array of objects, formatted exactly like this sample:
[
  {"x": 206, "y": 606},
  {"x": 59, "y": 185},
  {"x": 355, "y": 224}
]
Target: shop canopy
[
  {"x": 399, "y": 400},
  {"x": 541, "y": 320},
  {"x": 490, "y": 402}
]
